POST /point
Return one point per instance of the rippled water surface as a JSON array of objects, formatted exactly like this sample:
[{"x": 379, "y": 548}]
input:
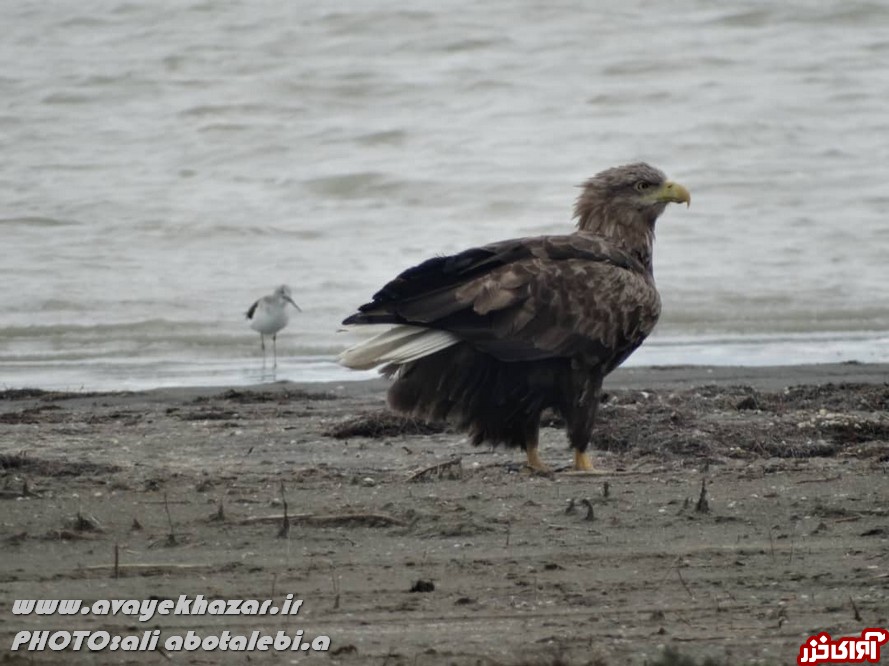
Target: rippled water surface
[{"x": 166, "y": 163}]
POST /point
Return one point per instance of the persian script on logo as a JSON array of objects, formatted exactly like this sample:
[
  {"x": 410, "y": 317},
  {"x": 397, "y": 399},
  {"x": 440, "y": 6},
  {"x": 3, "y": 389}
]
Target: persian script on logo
[{"x": 821, "y": 648}]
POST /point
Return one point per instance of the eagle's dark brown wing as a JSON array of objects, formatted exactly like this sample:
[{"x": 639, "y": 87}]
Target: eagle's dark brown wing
[{"x": 528, "y": 299}]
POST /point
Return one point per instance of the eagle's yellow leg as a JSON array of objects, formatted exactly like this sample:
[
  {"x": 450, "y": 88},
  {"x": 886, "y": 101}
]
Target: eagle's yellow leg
[
  {"x": 534, "y": 461},
  {"x": 582, "y": 462}
]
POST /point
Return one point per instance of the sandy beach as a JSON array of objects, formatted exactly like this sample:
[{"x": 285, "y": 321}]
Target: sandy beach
[{"x": 737, "y": 512}]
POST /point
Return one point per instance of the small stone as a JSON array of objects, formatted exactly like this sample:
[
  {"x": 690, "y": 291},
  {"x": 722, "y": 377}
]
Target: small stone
[{"x": 423, "y": 586}]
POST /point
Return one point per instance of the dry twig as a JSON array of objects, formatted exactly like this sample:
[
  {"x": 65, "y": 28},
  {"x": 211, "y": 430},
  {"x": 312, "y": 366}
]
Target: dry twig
[{"x": 454, "y": 467}]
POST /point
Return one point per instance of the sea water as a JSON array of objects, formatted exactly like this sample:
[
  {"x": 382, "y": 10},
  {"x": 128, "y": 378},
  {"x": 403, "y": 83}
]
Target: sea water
[{"x": 164, "y": 164}]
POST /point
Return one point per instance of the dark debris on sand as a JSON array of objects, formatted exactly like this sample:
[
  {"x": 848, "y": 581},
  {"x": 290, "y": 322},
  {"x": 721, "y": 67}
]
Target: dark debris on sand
[
  {"x": 709, "y": 422},
  {"x": 25, "y": 464},
  {"x": 40, "y": 394},
  {"x": 739, "y": 421},
  {"x": 245, "y": 397},
  {"x": 382, "y": 423}
]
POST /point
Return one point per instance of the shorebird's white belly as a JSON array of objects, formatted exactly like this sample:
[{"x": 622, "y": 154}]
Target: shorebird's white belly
[{"x": 269, "y": 320}]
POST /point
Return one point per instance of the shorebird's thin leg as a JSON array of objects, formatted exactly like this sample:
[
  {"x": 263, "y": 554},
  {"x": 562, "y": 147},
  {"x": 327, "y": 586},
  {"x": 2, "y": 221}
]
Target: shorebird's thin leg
[{"x": 275, "y": 348}]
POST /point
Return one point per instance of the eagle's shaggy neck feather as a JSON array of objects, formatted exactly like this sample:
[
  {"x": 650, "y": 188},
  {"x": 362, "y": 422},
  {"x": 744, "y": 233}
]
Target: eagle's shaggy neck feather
[{"x": 629, "y": 227}]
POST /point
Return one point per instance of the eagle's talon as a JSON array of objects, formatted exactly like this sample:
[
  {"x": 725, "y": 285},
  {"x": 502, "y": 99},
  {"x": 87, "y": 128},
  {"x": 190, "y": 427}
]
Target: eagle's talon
[
  {"x": 534, "y": 463},
  {"x": 582, "y": 462}
]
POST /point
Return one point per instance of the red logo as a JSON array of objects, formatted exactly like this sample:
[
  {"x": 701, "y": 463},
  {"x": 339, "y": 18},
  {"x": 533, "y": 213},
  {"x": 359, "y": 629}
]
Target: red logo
[{"x": 848, "y": 649}]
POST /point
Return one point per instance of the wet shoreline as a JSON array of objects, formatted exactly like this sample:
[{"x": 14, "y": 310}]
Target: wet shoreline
[{"x": 730, "y": 504}]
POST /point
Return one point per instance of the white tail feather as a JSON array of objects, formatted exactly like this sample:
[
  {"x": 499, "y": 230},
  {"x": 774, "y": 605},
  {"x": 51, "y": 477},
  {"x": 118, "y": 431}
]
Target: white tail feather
[{"x": 401, "y": 344}]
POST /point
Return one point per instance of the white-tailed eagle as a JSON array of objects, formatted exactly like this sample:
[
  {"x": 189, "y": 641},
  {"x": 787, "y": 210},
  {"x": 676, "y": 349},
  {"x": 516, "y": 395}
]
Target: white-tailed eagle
[{"x": 490, "y": 337}]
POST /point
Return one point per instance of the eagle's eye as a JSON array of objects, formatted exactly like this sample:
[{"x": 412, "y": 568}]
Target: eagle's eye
[{"x": 641, "y": 186}]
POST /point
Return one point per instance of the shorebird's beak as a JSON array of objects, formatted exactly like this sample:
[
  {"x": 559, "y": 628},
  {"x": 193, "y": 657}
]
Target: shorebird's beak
[{"x": 290, "y": 300}]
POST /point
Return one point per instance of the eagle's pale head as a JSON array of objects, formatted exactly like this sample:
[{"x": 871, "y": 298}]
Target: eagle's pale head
[
  {"x": 623, "y": 203},
  {"x": 623, "y": 190}
]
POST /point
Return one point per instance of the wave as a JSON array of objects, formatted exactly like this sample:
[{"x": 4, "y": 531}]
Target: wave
[{"x": 36, "y": 221}]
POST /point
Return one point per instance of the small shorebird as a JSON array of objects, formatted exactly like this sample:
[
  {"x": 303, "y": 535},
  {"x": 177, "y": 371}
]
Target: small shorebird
[{"x": 269, "y": 315}]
